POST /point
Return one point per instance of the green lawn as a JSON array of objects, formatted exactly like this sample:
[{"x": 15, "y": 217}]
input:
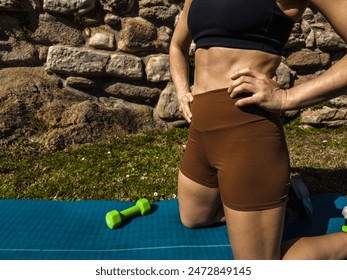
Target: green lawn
[{"x": 146, "y": 165}]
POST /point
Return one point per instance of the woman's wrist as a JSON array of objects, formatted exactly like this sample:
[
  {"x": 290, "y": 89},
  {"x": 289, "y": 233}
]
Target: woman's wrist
[
  {"x": 182, "y": 91},
  {"x": 288, "y": 100}
]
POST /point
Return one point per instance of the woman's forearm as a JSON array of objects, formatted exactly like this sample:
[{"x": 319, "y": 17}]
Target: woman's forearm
[
  {"x": 179, "y": 69},
  {"x": 329, "y": 85}
]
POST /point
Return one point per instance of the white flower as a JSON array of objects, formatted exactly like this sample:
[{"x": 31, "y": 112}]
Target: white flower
[{"x": 155, "y": 194}]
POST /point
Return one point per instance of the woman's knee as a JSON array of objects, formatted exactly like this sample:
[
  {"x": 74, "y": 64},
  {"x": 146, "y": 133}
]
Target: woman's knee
[
  {"x": 199, "y": 205},
  {"x": 195, "y": 218},
  {"x": 199, "y": 215},
  {"x": 190, "y": 223}
]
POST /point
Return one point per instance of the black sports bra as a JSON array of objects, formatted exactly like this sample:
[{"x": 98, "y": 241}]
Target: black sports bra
[{"x": 245, "y": 24}]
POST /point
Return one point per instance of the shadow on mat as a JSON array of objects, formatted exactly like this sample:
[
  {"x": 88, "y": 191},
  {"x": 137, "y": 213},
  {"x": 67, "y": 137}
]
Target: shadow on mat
[{"x": 324, "y": 209}]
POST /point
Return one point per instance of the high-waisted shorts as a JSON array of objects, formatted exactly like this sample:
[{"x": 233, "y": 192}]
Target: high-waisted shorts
[{"x": 242, "y": 152}]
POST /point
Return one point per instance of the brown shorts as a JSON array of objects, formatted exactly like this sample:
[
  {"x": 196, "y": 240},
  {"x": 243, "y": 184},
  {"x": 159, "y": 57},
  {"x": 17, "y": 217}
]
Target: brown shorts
[{"x": 242, "y": 152}]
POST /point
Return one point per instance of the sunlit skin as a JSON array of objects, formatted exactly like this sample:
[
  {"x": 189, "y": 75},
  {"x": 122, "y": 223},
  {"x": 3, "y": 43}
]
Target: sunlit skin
[{"x": 253, "y": 71}]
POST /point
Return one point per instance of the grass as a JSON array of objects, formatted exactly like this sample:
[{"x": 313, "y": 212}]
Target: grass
[
  {"x": 146, "y": 165},
  {"x": 319, "y": 156},
  {"x": 132, "y": 167}
]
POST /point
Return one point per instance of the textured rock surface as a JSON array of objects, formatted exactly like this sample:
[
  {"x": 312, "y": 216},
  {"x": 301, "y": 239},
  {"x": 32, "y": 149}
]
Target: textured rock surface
[
  {"x": 83, "y": 71},
  {"x": 68, "y": 6},
  {"x": 71, "y": 60}
]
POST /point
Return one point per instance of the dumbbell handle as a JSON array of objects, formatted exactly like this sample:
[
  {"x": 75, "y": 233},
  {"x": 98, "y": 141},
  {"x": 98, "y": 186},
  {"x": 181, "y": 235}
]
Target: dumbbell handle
[{"x": 129, "y": 212}]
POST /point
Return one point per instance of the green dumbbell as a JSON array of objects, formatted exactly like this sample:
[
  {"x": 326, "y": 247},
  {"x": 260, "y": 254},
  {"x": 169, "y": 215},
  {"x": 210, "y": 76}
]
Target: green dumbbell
[
  {"x": 114, "y": 218},
  {"x": 344, "y": 214}
]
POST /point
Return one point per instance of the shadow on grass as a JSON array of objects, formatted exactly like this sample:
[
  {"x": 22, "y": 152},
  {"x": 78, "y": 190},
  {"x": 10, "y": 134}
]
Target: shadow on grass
[{"x": 323, "y": 180}]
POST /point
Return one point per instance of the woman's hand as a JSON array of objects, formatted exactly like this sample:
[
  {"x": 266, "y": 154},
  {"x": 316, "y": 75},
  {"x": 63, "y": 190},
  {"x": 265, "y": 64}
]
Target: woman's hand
[
  {"x": 265, "y": 91},
  {"x": 184, "y": 106}
]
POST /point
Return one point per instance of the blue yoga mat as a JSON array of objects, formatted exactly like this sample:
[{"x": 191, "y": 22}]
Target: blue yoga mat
[{"x": 58, "y": 230}]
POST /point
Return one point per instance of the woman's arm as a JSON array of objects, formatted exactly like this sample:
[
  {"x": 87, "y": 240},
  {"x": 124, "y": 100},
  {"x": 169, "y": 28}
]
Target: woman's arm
[
  {"x": 329, "y": 85},
  {"x": 333, "y": 82},
  {"x": 179, "y": 67}
]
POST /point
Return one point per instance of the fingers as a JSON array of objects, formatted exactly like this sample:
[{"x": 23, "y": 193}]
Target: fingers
[
  {"x": 184, "y": 106},
  {"x": 241, "y": 85},
  {"x": 252, "y": 100},
  {"x": 245, "y": 80},
  {"x": 189, "y": 96},
  {"x": 265, "y": 91},
  {"x": 247, "y": 72},
  {"x": 271, "y": 100}
]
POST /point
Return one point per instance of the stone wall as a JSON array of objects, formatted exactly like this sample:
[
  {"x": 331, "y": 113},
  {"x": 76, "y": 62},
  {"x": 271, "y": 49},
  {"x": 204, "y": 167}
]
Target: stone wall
[
  {"x": 79, "y": 71},
  {"x": 312, "y": 48}
]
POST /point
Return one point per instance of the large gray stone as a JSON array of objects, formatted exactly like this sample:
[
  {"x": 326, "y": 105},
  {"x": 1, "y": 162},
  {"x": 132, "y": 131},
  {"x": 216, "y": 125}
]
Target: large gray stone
[
  {"x": 157, "y": 68},
  {"x": 69, "y": 6},
  {"x": 118, "y": 7},
  {"x": 326, "y": 116},
  {"x": 137, "y": 34},
  {"x": 329, "y": 41},
  {"x": 71, "y": 60},
  {"x": 132, "y": 92},
  {"x": 168, "y": 107},
  {"x": 283, "y": 74},
  {"x": 19, "y": 5},
  {"x": 19, "y": 53},
  {"x": 101, "y": 37},
  {"x": 55, "y": 30},
  {"x": 162, "y": 14},
  {"x": 125, "y": 66},
  {"x": 304, "y": 60}
]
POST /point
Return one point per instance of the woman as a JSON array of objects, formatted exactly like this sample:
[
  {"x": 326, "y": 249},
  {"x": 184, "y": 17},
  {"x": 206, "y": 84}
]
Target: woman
[{"x": 236, "y": 165}]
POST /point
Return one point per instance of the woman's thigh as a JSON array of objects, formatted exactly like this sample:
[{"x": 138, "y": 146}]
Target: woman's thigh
[
  {"x": 199, "y": 205},
  {"x": 255, "y": 234}
]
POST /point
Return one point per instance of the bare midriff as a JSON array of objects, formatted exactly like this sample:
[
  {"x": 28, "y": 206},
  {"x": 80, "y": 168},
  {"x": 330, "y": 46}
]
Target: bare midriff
[{"x": 214, "y": 66}]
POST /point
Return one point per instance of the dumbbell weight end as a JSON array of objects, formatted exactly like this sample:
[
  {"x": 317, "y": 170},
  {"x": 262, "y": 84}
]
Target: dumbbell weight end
[
  {"x": 344, "y": 214},
  {"x": 115, "y": 218}
]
